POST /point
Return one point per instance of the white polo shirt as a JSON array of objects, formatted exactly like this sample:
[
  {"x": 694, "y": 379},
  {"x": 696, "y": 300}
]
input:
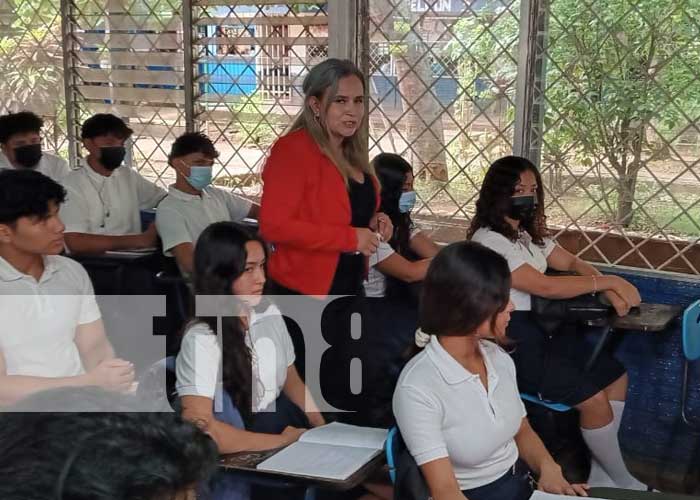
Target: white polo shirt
[
  {"x": 107, "y": 205},
  {"x": 375, "y": 284},
  {"x": 443, "y": 410},
  {"x": 517, "y": 253},
  {"x": 181, "y": 217},
  {"x": 273, "y": 352},
  {"x": 38, "y": 320},
  {"x": 50, "y": 165}
]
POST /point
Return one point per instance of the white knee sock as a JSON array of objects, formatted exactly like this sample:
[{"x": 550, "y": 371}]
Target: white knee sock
[
  {"x": 598, "y": 477},
  {"x": 605, "y": 449}
]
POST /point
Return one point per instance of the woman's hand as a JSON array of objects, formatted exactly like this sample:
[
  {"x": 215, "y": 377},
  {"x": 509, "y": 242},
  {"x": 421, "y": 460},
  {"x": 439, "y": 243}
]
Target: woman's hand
[
  {"x": 626, "y": 291},
  {"x": 367, "y": 241},
  {"x": 381, "y": 223},
  {"x": 621, "y": 307},
  {"x": 552, "y": 481}
]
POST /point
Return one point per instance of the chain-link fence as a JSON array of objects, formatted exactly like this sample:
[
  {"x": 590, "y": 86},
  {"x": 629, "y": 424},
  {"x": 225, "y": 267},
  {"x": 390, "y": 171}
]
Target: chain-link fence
[
  {"x": 126, "y": 58},
  {"x": 442, "y": 78},
  {"x": 31, "y": 56},
  {"x": 250, "y": 61},
  {"x": 613, "y": 120},
  {"x": 621, "y": 139}
]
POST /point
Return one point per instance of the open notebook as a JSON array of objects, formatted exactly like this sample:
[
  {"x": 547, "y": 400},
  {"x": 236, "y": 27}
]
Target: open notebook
[{"x": 332, "y": 451}]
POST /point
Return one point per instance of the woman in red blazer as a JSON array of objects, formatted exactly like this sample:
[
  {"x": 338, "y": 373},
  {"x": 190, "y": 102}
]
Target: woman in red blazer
[
  {"x": 319, "y": 208},
  {"x": 320, "y": 192}
]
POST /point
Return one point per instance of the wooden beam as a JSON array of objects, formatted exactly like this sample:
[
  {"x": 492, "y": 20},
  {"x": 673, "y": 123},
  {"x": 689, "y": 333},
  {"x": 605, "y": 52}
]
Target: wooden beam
[
  {"x": 228, "y": 3},
  {"x": 124, "y": 58},
  {"x": 260, "y": 20},
  {"x": 136, "y": 41},
  {"x": 268, "y": 40},
  {"x": 131, "y": 95},
  {"x": 147, "y": 113},
  {"x": 131, "y": 76}
]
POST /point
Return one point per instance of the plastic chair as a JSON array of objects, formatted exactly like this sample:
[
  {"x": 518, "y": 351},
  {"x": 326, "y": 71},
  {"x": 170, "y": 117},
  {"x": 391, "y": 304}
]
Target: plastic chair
[
  {"x": 405, "y": 474},
  {"x": 691, "y": 350},
  {"x": 560, "y": 407},
  {"x": 391, "y": 448}
]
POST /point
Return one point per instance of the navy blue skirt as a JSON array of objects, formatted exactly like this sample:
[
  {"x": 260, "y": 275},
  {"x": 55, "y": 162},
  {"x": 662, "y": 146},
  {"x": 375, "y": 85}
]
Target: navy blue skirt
[
  {"x": 553, "y": 368},
  {"x": 513, "y": 485}
]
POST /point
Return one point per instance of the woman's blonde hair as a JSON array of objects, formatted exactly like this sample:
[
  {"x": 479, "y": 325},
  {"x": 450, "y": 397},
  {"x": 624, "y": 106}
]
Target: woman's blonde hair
[{"x": 323, "y": 80}]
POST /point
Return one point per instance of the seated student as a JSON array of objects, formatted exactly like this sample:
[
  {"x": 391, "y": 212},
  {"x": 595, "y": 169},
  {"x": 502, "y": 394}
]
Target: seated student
[
  {"x": 20, "y": 146},
  {"x": 510, "y": 219},
  {"x": 457, "y": 402},
  {"x": 102, "y": 211},
  {"x": 193, "y": 203},
  {"x": 258, "y": 356},
  {"x": 124, "y": 454},
  {"x": 404, "y": 259},
  {"x": 51, "y": 334}
]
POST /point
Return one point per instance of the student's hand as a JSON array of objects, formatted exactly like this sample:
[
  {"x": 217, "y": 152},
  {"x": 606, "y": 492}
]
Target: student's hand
[
  {"x": 291, "y": 434},
  {"x": 367, "y": 241},
  {"x": 621, "y": 307},
  {"x": 149, "y": 238},
  {"x": 315, "y": 419},
  {"x": 381, "y": 223},
  {"x": 552, "y": 481},
  {"x": 626, "y": 291},
  {"x": 112, "y": 374}
]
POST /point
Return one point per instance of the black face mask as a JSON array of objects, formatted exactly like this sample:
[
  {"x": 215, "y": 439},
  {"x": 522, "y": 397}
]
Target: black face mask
[
  {"x": 28, "y": 156},
  {"x": 112, "y": 157},
  {"x": 522, "y": 208}
]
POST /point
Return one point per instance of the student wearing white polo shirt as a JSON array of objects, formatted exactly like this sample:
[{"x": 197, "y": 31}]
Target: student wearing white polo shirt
[
  {"x": 510, "y": 220},
  {"x": 102, "y": 210},
  {"x": 456, "y": 402},
  {"x": 51, "y": 332},
  {"x": 20, "y": 146},
  {"x": 193, "y": 203},
  {"x": 405, "y": 258},
  {"x": 255, "y": 354}
]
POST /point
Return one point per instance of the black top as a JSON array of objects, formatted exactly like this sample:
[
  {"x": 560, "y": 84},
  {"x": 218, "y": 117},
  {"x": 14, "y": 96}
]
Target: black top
[{"x": 350, "y": 272}]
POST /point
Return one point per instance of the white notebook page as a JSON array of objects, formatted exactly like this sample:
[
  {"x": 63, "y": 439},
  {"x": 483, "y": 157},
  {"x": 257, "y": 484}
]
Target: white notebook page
[{"x": 319, "y": 460}]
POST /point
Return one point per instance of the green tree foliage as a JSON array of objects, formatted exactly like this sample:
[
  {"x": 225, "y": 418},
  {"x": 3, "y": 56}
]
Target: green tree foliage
[{"x": 619, "y": 74}]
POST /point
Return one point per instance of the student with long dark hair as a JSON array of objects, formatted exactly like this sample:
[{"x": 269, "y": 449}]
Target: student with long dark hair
[
  {"x": 510, "y": 219},
  {"x": 457, "y": 402},
  {"x": 255, "y": 353},
  {"x": 403, "y": 259}
]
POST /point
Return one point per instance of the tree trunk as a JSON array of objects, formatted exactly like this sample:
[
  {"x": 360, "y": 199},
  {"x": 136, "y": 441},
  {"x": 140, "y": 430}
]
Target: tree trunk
[
  {"x": 627, "y": 183},
  {"x": 422, "y": 122},
  {"x": 423, "y": 129}
]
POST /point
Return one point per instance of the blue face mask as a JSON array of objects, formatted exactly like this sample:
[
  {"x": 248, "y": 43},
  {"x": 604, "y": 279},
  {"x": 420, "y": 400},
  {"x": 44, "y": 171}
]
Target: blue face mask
[
  {"x": 200, "y": 177},
  {"x": 407, "y": 201}
]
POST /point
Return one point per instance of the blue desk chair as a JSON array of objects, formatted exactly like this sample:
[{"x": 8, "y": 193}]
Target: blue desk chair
[
  {"x": 558, "y": 407},
  {"x": 691, "y": 350},
  {"x": 405, "y": 475},
  {"x": 391, "y": 447}
]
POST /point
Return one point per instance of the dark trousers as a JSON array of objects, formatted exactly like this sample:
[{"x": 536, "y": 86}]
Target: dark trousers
[{"x": 514, "y": 485}]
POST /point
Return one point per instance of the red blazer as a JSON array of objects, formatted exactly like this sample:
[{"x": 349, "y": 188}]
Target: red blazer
[{"x": 305, "y": 213}]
